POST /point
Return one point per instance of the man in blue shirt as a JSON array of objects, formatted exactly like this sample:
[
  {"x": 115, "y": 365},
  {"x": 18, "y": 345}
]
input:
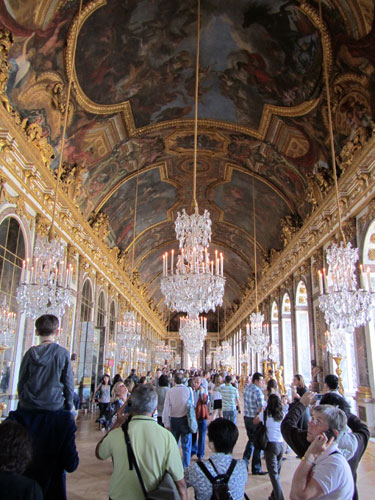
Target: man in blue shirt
[{"x": 253, "y": 404}]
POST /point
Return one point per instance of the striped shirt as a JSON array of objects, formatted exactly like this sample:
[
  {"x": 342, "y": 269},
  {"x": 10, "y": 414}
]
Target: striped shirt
[{"x": 230, "y": 395}]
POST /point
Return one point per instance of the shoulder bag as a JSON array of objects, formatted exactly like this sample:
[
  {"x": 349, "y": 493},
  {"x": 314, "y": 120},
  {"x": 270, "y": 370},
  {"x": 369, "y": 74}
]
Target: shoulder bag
[
  {"x": 166, "y": 489},
  {"x": 191, "y": 416},
  {"x": 201, "y": 410},
  {"x": 261, "y": 438}
]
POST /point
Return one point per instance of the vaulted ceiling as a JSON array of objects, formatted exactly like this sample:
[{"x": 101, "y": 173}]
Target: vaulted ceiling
[{"x": 262, "y": 114}]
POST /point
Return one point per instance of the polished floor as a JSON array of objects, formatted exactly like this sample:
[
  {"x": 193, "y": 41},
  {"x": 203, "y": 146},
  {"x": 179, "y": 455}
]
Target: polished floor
[{"x": 91, "y": 479}]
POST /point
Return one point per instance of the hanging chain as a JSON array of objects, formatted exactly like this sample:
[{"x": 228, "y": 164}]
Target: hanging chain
[
  {"x": 255, "y": 248},
  {"x": 50, "y": 234},
  {"x": 195, "y": 204},
  {"x": 331, "y": 137}
]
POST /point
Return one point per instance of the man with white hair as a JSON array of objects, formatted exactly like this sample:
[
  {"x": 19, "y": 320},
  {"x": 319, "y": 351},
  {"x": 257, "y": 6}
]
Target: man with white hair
[
  {"x": 154, "y": 447},
  {"x": 323, "y": 472}
]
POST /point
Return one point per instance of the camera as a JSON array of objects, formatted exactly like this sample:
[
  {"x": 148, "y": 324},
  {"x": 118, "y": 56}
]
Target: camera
[{"x": 318, "y": 397}]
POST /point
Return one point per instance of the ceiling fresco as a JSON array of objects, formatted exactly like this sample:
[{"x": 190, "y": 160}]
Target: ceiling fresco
[{"x": 262, "y": 115}]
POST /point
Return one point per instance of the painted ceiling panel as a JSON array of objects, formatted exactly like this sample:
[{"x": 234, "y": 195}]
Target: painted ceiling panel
[
  {"x": 145, "y": 54},
  {"x": 235, "y": 199},
  {"x": 154, "y": 198}
]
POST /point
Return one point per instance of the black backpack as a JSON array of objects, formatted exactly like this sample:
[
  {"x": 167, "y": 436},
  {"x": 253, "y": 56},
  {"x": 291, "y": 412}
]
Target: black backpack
[{"x": 220, "y": 489}]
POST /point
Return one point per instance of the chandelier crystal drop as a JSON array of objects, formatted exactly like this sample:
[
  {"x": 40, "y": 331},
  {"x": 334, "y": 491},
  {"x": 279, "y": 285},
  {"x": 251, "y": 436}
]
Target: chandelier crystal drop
[
  {"x": 8, "y": 327},
  {"x": 257, "y": 333},
  {"x": 344, "y": 306},
  {"x": 195, "y": 284},
  {"x": 129, "y": 331},
  {"x": 45, "y": 286}
]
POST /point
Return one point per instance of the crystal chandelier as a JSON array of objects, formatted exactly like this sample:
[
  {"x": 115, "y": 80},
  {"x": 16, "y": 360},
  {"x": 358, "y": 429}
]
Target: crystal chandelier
[
  {"x": 273, "y": 352},
  {"x": 163, "y": 353},
  {"x": 45, "y": 280},
  {"x": 196, "y": 284},
  {"x": 8, "y": 327},
  {"x": 256, "y": 333},
  {"x": 336, "y": 341},
  {"x": 192, "y": 347},
  {"x": 223, "y": 354},
  {"x": 129, "y": 331},
  {"x": 193, "y": 328},
  {"x": 344, "y": 306},
  {"x": 244, "y": 358}
]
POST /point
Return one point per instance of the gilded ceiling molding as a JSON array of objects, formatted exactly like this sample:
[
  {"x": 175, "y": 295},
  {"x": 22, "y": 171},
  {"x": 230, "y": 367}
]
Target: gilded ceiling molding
[
  {"x": 318, "y": 229},
  {"x": 26, "y": 173}
]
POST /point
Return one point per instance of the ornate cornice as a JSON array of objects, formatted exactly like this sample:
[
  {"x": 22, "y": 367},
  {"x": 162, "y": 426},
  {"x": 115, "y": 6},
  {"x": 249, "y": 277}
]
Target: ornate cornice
[{"x": 357, "y": 189}]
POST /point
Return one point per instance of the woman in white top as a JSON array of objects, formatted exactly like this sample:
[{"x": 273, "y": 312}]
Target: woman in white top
[{"x": 273, "y": 454}]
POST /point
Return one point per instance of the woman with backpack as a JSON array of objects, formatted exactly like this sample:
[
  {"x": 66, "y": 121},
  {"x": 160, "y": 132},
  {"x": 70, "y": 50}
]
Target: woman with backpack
[
  {"x": 272, "y": 417},
  {"x": 220, "y": 477}
]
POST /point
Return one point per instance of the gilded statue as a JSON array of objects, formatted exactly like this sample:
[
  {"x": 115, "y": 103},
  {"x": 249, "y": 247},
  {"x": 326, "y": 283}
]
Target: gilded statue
[
  {"x": 71, "y": 180},
  {"x": 100, "y": 224},
  {"x": 360, "y": 137},
  {"x": 34, "y": 134},
  {"x": 289, "y": 226},
  {"x": 280, "y": 379}
]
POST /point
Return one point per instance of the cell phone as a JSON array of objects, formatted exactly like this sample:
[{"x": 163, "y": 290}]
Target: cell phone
[
  {"x": 318, "y": 397},
  {"x": 329, "y": 433}
]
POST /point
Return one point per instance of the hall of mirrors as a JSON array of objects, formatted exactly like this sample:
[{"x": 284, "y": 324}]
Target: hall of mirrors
[
  {"x": 89, "y": 327},
  {"x": 112, "y": 191}
]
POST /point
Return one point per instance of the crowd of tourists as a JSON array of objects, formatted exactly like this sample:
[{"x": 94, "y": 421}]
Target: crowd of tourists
[{"x": 146, "y": 419}]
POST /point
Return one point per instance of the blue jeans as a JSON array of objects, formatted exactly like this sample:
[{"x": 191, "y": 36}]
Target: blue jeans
[
  {"x": 179, "y": 428},
  {"x": 256, "y": 465},
  {"x": 230, "y": 415},
  {"x": 198, "y": 449}
]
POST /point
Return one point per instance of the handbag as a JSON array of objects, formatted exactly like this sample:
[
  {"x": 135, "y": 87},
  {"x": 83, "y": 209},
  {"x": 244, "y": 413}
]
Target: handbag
[
  {"x": 166, "y": 489},
  {"x": 191, "y": 416},
  {"x": 261, "y": 438},
  {"x": 201, "y": 410}
]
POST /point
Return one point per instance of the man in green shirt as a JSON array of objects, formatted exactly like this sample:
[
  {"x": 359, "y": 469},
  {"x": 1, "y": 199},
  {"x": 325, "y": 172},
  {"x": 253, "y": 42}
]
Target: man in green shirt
[{"x": 154, "y": 447}]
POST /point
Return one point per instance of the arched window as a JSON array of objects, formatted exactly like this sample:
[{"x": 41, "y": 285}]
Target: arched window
[
  {"x": 12, "y": 253},
  {"x": 275, "y": 329},
  {"x": 286, "y": 327},
  {"x": 303, "y": 333}
]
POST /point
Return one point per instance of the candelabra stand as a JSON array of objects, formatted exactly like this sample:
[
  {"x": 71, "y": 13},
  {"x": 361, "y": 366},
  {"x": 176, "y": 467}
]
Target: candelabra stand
[{"x": 338, "y": 360}]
